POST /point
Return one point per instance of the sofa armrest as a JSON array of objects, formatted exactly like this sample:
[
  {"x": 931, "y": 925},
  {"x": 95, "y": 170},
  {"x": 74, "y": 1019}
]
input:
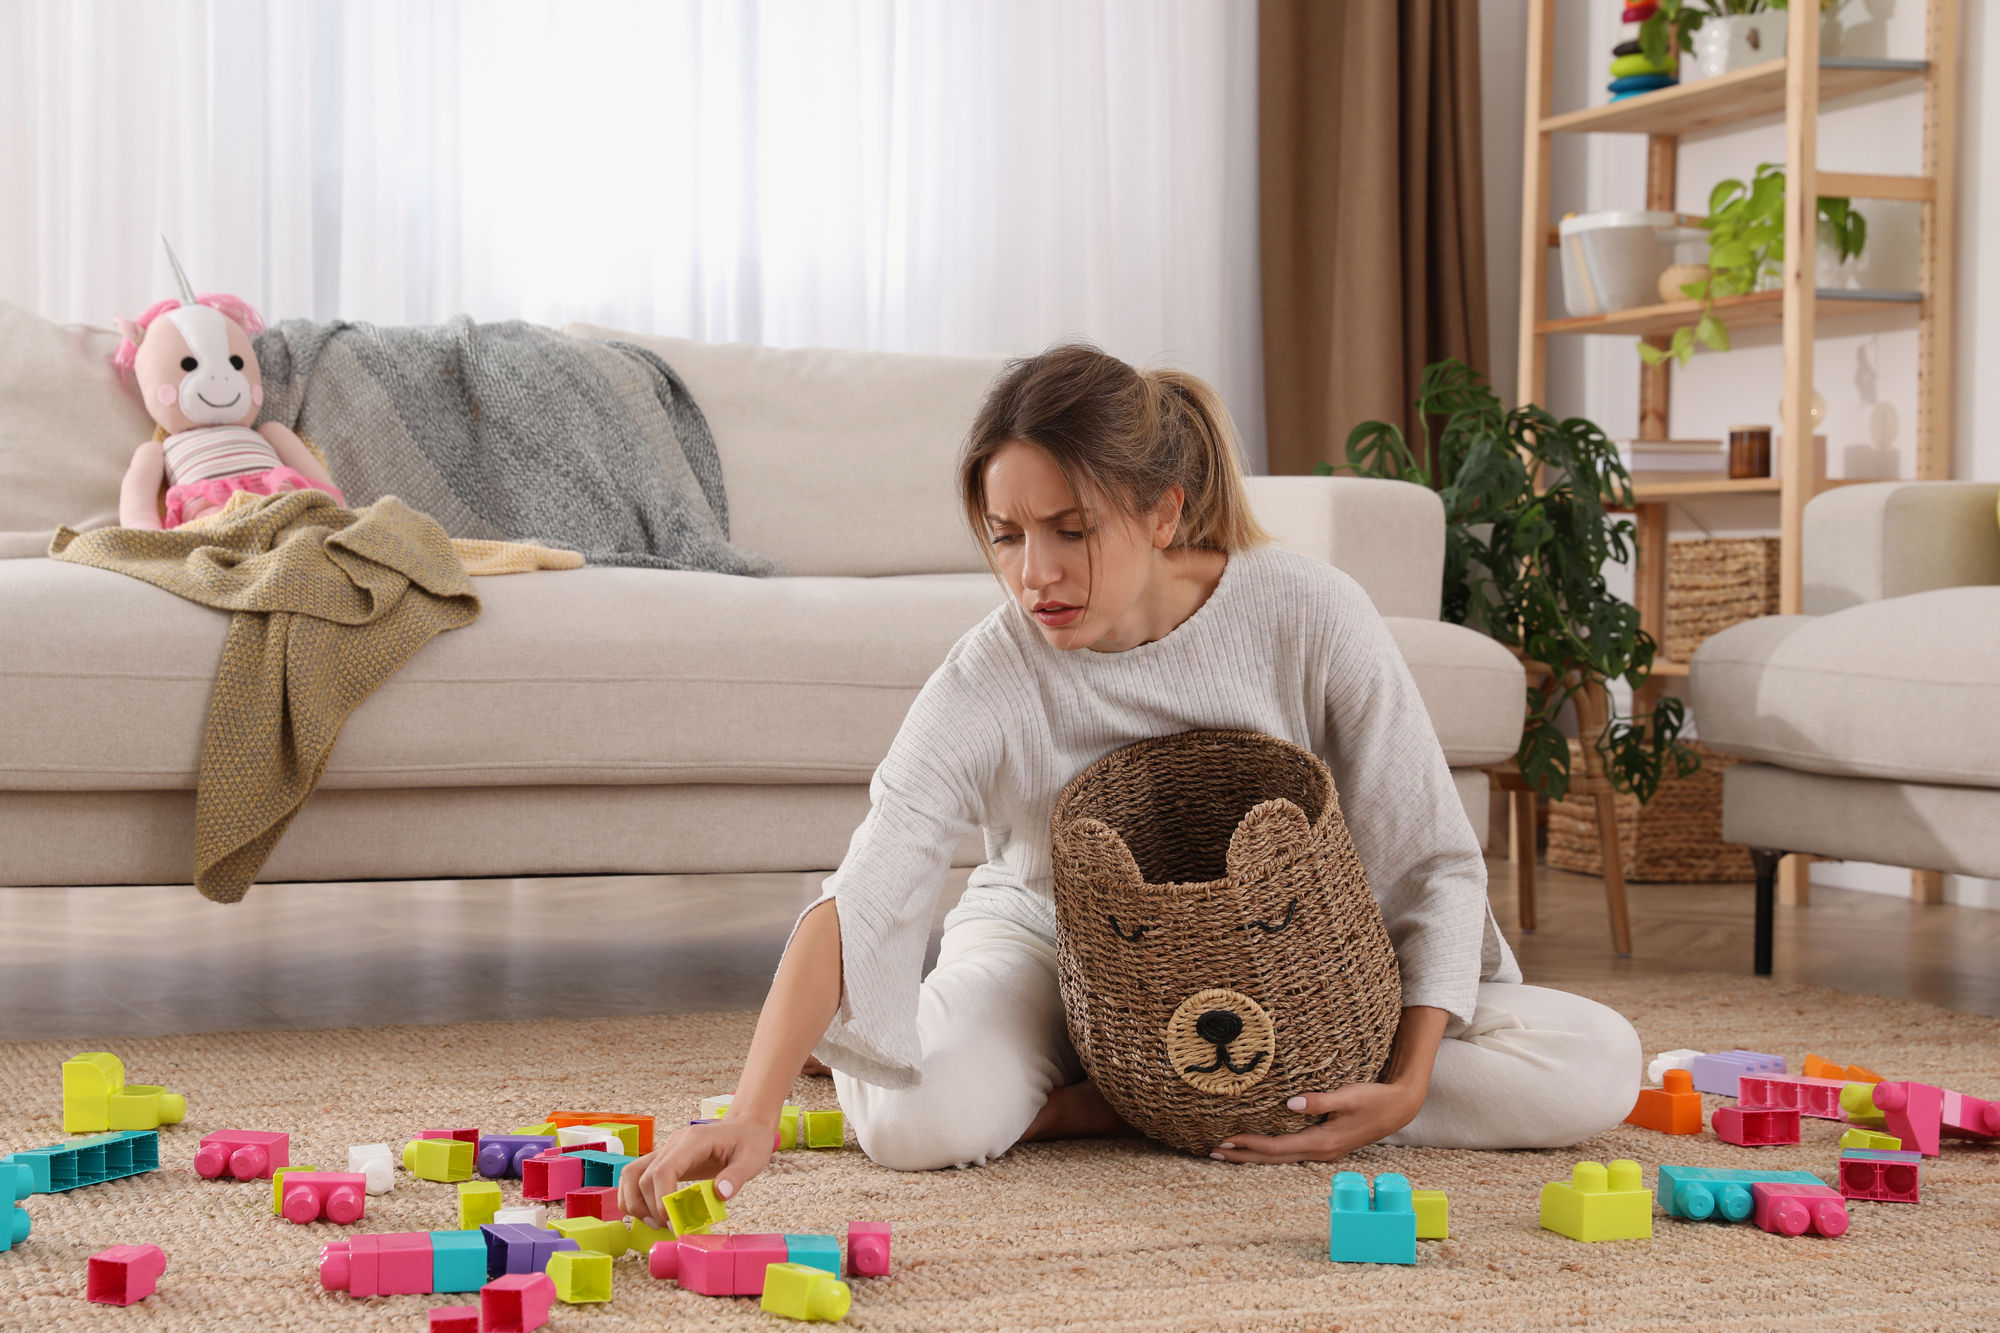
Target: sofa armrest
[
  {"x": 1386, "y": 535},
  {"x": 1892, "y": 538}
]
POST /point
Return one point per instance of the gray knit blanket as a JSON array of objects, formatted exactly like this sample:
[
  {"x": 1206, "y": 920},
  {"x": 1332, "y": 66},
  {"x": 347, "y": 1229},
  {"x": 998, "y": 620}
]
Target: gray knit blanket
[{"x": 511, "y": 432}]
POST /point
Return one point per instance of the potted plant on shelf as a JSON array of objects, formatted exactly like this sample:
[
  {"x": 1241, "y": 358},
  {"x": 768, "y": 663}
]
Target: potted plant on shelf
[
  {"x": 1720, "y": 36},
  {"x": 1746, "y": 253},
  {"x": 1524, "y": 563}
]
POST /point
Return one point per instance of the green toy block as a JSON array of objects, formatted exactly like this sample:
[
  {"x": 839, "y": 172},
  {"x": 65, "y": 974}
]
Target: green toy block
[
  {"x": 821, "y": 1252},
  {"x": 478, "y": 1200},
  {"x": 1599, "y": 1204},
  {"x": 628, "y": 1135},
  {"x": 798, "y": 1292},
  {"x": 278, "y": 1185},
  {"x": 601, "y": 1168},
  {"x": 788, "y": 1126},
  {"x": 824, "y": 1129},
  {"x": 1868, "y": 1138},
  {"x": 1361, "y": 1230},
  {"x": 643, "y": 1235},
  {"x": 96, "y": 1097},
  {"x": 1433, "y": 1214},
  {"x": 445, "y": 1160},
  {"x": 546, "y": 1129},
  {"x": 594, "y": 1233},
  {"x": 695, "y": 1208},
  {"x": 581, "y": 1276},
  {"x": 458, "y": 1261}
]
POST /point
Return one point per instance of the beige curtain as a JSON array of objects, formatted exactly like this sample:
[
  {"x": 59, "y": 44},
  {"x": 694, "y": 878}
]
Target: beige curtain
[{"x": 1370, "y": 204}]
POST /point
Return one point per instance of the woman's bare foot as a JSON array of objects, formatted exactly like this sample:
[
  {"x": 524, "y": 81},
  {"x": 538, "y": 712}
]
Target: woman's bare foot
[
  {"x": 813, "y": 1068},
  {"x": 1078, "y": 1111}
]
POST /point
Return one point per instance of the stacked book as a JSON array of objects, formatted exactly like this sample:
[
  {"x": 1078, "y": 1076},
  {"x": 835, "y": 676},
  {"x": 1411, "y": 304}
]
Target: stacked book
[{"x": 1682, "y": 458}]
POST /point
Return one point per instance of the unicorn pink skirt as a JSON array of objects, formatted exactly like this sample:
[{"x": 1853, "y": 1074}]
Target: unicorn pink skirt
[{"x": 217, "y": 490}]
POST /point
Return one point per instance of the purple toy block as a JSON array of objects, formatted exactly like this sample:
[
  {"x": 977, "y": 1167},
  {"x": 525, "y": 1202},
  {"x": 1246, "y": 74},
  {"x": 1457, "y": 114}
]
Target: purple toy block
[
  {"x": 1816, "y": 1097},
  {"x": 751, "y": 1255},
  {"x": 1755, "y": 1126},
  {"x": 501, "y": 1155},
  {"x": 1882, "y": 1176},
  {"x": 246, "y": 1154},
  {"x": 1914, "y": 1112},
  {"x": 867, "y": 1249},
  {"x": 1970, "y": 1117},
  {"x": 707, "y": 1266},
  {"x": 512, "y": 1247},
  {"x": 1718, "y": 1073},
  {"x": 124, "y": 1274},
  {"x": 1791, "y": 1210},
  {"x": 516, "y": 1303},
  {"x": 338, "y": 1196},
  {"x": 551, "y": 1175},
  {"x": 455, "y": 1319}
]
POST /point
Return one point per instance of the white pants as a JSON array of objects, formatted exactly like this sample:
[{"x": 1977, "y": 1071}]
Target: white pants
[{"x": 1534, "y": 1069}]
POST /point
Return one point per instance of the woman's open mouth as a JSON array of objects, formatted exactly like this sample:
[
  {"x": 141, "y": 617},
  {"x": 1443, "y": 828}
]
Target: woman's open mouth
[{"x": 1056, "y": 614}]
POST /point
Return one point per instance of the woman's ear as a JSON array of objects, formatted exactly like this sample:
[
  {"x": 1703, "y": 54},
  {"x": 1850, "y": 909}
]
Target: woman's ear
[{"x": 1167, "y": 517}]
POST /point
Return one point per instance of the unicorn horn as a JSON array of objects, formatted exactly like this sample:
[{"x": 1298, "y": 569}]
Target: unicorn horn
[{"x": 187, "y": 289}]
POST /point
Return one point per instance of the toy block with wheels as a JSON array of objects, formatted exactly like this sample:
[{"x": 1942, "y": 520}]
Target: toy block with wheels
[
  {"x": 337, "y": 1196},
  {"x": 278, "y": 1185},
  {"x": 478, "y": 1202},
  {"x": 693, "y": 1209},
  {"x": 1673, "y": 1109},
  {"x": 243, "y": 1154},
  {"x": 519, "y": 1249},
  {"x": 1913, "y": 1112},
  {"x": 377, "y": 1163},
  {"x": 454, "y": 1319},
  {"x": 1815, "y": 1067},
  {"x": 91, "y": 1161},
  {"x": 1755, "y": 1126},
  {"x": 1794, "y": 1209},
  {"x": 551, "y": 1175},
  {"x": 17, "y": 1182},
  {"x": 594, "y": 1233},
  {"x": 1361, "y": 1229},
  {"x": 516, "y": 1303},
  {"x": 1868, "y": 1138},
  {"x": 1656, "y": 1072},
  {"x": 1881, "y": 1176},
  {"x": 1718, "y": 1073},
  {"x": 868, "y": 1248},
  {"x": 823, "y": 1129},
  {"x": 642, "y": 1126},
  {"x": 124, "y": 1274},
  {"x": 398, "y": 1263},
  {"x": 501, "y": 1156},
  {"x": 821, "y": 1252},
  {"x": 592, "y": 1201},
  {"x": 798, "y": 1292},
  {"x": 1858, "y": 1100},
  {"x": 1599, "y": 1203},
  {"x": 1816, "y": 1097},
  {"x": 1966, "y": 1117},
  {"x": 1697, "y": 1193},
  {"x": 1433, "y": 1214},
  {"x": 580, "y": 1277},
  {"x": 97, "y": 1099},
  {"x": 445, "y": 1160}
]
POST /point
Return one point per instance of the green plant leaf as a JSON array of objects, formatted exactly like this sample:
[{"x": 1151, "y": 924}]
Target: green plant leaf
[
  {"x": 1650, "y": 354},
  {"x": 1712, "y": 333}
]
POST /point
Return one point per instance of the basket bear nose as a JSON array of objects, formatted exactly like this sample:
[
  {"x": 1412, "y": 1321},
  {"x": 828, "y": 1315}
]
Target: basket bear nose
[{"x": 1220, "y": 1026}]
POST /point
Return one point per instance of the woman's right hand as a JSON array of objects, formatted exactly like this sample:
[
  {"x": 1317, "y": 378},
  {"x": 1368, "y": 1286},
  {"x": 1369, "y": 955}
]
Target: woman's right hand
[{"x": 732, "y": 1151}]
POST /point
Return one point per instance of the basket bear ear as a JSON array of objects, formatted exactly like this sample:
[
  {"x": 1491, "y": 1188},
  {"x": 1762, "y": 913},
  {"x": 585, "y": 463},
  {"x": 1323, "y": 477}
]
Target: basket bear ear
[
  {"x": 1096, "y": 853},
  {"x": 1272, "y": 835}
]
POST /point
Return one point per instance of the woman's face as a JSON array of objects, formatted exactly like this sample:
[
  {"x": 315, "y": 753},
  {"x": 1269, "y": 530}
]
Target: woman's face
[{"x": 1077, "y": 565}]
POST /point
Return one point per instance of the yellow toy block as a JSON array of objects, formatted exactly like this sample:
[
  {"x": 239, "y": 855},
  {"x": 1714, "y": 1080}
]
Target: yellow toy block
[
  {"x": 594, "y": 1233},
  {"x": 643, "y": 1235},
  {"x": 580, "y": 1276},
  {"x": 1433, "y": 1214},
  {"x": 628, "y": 1135},
  {"x": 445, "y": 1160},
  {"x": 547, "y": 1129},
  {"x": 1596, "y": 1204},
  {"x": 788, "y": 1126},
  {"x": 278, "y": 1186},
  {"x": 478, "y": 1200},
  {"x": 798, "y": 1292},
  {"x": 1858, "y": 1100},
  {"x": 1868, "y": 1138},
  {"x": 694, "y": 1209},
  {"x": 824, "y": 1129},
  {"x": 96, "y": 1097}
]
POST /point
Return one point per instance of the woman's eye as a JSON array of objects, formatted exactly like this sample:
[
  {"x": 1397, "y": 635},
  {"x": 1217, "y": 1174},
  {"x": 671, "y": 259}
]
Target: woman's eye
[
  {"x": 1003, "y": 538},
  {"x": 1270, "y": 929},
  {"x": 1129, "y": 936},
  {"x": 1074, "y": 536}
]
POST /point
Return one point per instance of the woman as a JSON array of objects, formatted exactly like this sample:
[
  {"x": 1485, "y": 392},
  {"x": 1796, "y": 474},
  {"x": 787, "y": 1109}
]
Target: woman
[{"x": 1141, "y": 603}]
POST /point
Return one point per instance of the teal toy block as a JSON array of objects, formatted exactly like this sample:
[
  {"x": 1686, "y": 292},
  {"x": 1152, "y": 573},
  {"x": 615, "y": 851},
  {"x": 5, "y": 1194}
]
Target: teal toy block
[
  {"x": 91, "y": 1161},
  {"x": 821, "y": 1252},
  {"x": 458, "y": 1261},
  {"x": 600, "y": 1168},
  {"x": 1696, "y": 1193},
  {"x": 17, "y": 1182},
  {"x": 1377, "y": 1230}
]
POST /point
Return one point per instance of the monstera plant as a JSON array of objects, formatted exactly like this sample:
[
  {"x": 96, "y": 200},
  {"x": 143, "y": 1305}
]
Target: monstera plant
[{"x": 1528, "y": 534}]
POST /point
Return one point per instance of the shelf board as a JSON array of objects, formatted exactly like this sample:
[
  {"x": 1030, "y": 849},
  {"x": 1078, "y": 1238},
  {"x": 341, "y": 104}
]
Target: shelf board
[
  {"x": 1729, "y": 98},
  {"x": 1662, "y": 667},
  {"x": 1653, "y": 489},
  {"x": 1738, "y": 312}
]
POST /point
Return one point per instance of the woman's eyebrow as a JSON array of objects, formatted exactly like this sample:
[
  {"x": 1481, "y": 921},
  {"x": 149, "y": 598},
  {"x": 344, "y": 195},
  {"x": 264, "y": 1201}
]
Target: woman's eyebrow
[{"x": 1057, "y": 517}]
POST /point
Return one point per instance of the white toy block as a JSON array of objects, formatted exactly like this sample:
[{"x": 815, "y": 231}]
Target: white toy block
[
  {"x": 376, "y": 1163},
  {"x": 1656, "y": 1072},
  {"x": 712, "y": 1107},
  {"x": 528, "y": 1216},
  {"x": 583, "y": 1136}
]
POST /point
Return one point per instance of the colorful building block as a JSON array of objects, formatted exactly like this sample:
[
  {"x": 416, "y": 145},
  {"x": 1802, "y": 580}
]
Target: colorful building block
[
  {"x": 580, "y": 1277},
  {"x": 377, "y": 1163},
  {"x": 822, "y": 1252},
  {"x": 470, "y": 1136},
  {"x": 644, "y": 1235},
  {"x": 527, "y": 1215},
  {"x": 822, "y": 1129},
  {"x": 551, "y": 1175},
  {"x": 700, "y": 1263},
  {"x": 1913, "y": 1112},
  {"x": 1794, "y": 1209},
  {"x": 1755, "y": 1126},
  {"x": 519, "y": 1249},
  {"x": 458, "y": 1261},
  {"x": 1696, "y": 1193},
  {"x": 400, "y": 1263},
  {"x": 798, "y": 1292},
  {"x": 788, "y": 1126},
  {"x": 1656, "y": 1071},
  {"x": 90, "y": 1161},
  {"x": 594, "y": 1233},
  {"x": 1433, "y": 1214},
  {"x": 96, "y": 1098},
  {"x": 868, "y": 1246},
  {"x": 337, "y": 1196},
  {"x": 693, "y": 1209},
  {"x": 454, "y": 1319},
  {"x": 446, "y": 1160},
  {"x": 1858, "y": 1100},
  {"x": 588, "y": 1136},
  {"x": 1365, "y": 1230},
  {"x": 599, "y": 1168},
  {"x": 1816, "y": 1097},
  {"x": 750, "y": 1256},
  {"x": 244, "y": 1154},
  {"x": 592, "y": 1201},
  {"x": 714, "y": 1108},
  {"x": 1717, "y": 1073},
  {"x": 1969, "y": 1117},
  {"x": 1868, "y": 1138},
  {"x": 1599, "y": 1203},
  {"x": 516, "y": 1303},
  {"x": 624, "y": 1138},
  {"x": 478, "y": 1201},
  {"x": 1674, "y": 1109},
  {"x": 500, "y": 1156},
  {"x": 641, "y": 1144},
  {"x": 543, "y": 1130},
  {"x": 1881, "y": 1175},
  {"x": 1815, "y": 1067},
  {"x": 124, "y": 1274},
  {"x": 278, "y": 1186},
  {"x": 17, "y": 1182}
]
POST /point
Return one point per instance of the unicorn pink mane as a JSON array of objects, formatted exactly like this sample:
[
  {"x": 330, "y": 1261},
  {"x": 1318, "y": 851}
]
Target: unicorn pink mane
[{"x": 232, "y": 307}]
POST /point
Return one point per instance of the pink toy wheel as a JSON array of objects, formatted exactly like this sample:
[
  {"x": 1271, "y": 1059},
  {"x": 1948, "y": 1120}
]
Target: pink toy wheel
[
  {"x": 664, "y": 1260},
  {"x": 1829, "y": 1217},
  {"x": 1891, "y": 1096},
  {"x": 1989, "y": 1117},
  {"x": 1790, "y": 1218},
  {"x": 208, "y": 1163},
  {"x": 344, "y": 1203},
  {"x": 868, "y": 1255},
  {"x": 302, "y": 1204},
  {"x": 249, "y": 1162},
  {"x": 336, "y": 1266}
]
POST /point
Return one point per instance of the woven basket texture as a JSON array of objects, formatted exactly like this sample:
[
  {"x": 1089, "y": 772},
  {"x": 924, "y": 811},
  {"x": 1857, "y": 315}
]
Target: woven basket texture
[
  {"x": 1675, "y": 838},
  {"x": 1218, "y": 945},
  {"x": 1716, "y": 582}
]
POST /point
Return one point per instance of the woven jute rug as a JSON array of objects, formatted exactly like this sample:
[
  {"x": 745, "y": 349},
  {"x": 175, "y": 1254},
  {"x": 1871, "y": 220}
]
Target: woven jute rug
[{"x": 1120, "y": 1235}]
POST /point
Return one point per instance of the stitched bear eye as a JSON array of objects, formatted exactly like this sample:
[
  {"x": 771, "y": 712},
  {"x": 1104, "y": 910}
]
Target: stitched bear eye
[
  {"x": 1270, "y": 929},
  {"x": 1130, "y": 938},
  {"x": 189, "y": 363},
  {"x": 236, "y": 361}
]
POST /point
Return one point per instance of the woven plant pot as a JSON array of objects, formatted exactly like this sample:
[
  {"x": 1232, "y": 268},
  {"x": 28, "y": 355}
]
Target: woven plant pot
[
  {"x": 1716, "y": 582},
  {"x": 1218, "y": 946},
  {"x": 1675, "y": 838}
]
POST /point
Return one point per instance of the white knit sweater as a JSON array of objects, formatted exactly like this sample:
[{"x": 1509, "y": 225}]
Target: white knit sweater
[{"x": 1285, "y": 645}]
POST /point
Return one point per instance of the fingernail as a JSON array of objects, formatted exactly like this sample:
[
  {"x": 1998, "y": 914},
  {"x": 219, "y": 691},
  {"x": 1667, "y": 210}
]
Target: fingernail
[
  {"x": 1218, "y": 1157},
  {"x": 1296, "y": 1104},
  {"x": 724, "y": 1188},
  {"x": 1228, "y": 1145}
]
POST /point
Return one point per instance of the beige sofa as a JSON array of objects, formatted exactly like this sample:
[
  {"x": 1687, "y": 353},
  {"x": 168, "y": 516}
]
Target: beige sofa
[
  {"x": 602, "y": 720},
  {"x": 1873, "y": 720}
]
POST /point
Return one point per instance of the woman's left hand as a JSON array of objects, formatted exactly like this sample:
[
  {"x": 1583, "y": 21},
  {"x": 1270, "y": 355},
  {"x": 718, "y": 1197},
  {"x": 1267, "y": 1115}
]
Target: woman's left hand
[{"x": 1356, "y": 1116}]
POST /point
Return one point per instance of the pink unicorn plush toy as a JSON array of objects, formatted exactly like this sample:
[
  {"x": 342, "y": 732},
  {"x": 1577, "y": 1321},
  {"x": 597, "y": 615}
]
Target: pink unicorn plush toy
[{"x": 201, "y": 383}]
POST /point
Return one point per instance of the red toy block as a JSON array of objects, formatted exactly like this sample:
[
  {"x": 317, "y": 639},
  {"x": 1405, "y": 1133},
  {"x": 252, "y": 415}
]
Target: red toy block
[
  {"x": 1755, "y": 1126},
  {"x": 551, "y": 1175},
  {"x": 594, "y": 1201},
  {"x": 1881, "y": 1178},
  {"x": 470, "y": 1136},
  {"x": 1816, "y": 1097},
  {"x": 751, "y": 1255},
  {"x": 1674, "y": 1109},
  {"x": 246, "y": 1154},
  {"x": 454, "y": 1319},
  {"x": 124, "y": 1274},
  {"x": 1970, "y": 1117},
  {"x": 516, "y": 1303},
  {"x": 338, "y": 1196},
  {"x": 1791, "y": 1210},
  {"x": 1914, "y": 1112},
  {"x": 868, "y": 1242},
  {"x": 562, "y": 1119},
  {"x": 707, "y": 1266}
]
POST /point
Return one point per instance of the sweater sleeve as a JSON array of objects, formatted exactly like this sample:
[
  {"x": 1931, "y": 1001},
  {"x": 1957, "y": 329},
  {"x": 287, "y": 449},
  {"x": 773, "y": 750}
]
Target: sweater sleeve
[{"x": 1402, "y": 810}]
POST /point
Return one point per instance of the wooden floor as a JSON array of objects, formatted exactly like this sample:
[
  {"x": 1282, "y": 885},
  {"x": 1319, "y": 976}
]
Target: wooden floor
[{"x": 92, "y": 964}]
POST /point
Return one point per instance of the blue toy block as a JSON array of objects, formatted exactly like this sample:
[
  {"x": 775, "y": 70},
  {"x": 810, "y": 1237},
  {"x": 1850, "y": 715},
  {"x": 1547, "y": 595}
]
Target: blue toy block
[
  {"x": 601, "y": 1168},
  {"x": 458, "y": 1261},
  {"x": 500, "y": 1155},
  {"x": 1719, "y": 1072},
  {"x": 1696, "y": 1193},
  {"x": 512, "y": 1247},
  {"x": 90, "y": 1161},
  {"x": 17, "y": 1182},
  {"x": 822, "y": 1252},
  {"x": 1382, "y": 1230}
]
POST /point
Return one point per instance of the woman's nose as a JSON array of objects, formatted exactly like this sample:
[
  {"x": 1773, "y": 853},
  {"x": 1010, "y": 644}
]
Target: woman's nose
[{"x": 1039, "y": 567}]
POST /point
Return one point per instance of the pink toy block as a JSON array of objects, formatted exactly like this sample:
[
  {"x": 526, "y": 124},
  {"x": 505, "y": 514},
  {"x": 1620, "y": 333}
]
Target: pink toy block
[
  {"x": 1881, "y": 1179},
  {"x": 338, "y": 1196},
  {"x": 378, "y": 1264},
  {"x": 1755, "y": 1126},
  {"x": 455, "y": 1319},
  {"x": 1816, "y": 1097},
  {"x": 516, "y": 1303},
  {"x": 707, "y": 1266},
  {"x": 1970, "y": 1117},
  {"x": 663, "y": 1261},
  {"x": 403, "y": 1263},
  {"x": 593, "y": 1201},
  {"x": 751, "y": 1256},
  {"x": 124, "y": 1274},
  {"x": 246, "y": 1154},
  {"x": 1785, "y": 1209},
  {"x": 1914, "y": 1112},
  {"x": 867, "y": 1249},
  {"x": 470, "y": 1136},
  {"x": 551, "y": 1176}
]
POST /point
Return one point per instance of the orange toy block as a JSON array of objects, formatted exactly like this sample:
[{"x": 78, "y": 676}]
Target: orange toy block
[
  {"x": 1674, "y": 1109},
  {"x": 1815, "y": 1067}
]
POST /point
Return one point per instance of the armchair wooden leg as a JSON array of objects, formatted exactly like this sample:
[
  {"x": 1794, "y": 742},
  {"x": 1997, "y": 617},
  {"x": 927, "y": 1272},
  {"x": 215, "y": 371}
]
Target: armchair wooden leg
[
  {"x": 1521, "y": 855},
  {"x": 1926, "y": 886},
  {"x": 1795, "y": 881},
  {"x": 1765, "y": 864},
  {"x": 1614, "y": 873}
]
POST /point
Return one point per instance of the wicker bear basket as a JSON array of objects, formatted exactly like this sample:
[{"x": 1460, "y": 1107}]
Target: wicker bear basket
[{"x": 1218, "y": 946}]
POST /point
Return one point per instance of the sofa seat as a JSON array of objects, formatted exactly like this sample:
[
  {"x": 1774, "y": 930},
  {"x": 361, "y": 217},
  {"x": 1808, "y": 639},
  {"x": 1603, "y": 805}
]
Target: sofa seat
[{"x": 1904, "y": 690}]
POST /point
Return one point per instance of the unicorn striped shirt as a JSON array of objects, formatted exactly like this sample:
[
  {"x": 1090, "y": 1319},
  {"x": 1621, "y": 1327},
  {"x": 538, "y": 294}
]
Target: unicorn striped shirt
[{"x": 216, "y": 451}]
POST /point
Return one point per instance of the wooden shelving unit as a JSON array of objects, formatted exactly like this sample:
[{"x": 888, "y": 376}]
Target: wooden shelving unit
[{"x": 1794, "y": 86}]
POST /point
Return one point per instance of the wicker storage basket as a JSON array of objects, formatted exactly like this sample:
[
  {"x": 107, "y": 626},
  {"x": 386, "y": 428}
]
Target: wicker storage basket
[
  {"x": 1716, "y": 582},
  {"x": 1218, "y": 946},
  {"x": 1675, "y": 839}
]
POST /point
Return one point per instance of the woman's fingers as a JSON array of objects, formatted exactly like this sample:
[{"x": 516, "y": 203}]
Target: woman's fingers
[
  {"x": 1327, "y": 1103},
  {"x": 1318, "y": 1144}
]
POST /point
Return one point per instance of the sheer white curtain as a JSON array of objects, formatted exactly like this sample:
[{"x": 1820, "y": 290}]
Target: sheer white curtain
[{"x": 920, "y": 175}]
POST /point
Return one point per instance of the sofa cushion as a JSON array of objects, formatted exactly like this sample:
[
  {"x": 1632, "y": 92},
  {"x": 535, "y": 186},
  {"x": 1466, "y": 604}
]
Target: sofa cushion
[
  {"x": 1906, "y": 689},
  {"x": 1475, "y": 690}
]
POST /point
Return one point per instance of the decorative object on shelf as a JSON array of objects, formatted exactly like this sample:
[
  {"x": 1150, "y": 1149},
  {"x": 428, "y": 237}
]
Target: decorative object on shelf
[
  {"x": 1634, "y": 70},
  {"x": 1682, "y": 459},
  {"x": 1713, "y": 583},
  {"x": 1749, "y": 452},
  {"x": 1722, "y": 36},
  {"x": 1614, "y": 260},
  {"x": 1675, "y": 838}
]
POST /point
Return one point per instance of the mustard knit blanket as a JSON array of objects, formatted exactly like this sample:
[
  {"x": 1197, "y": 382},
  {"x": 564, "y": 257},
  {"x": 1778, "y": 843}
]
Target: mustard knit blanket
[{"x": 329, "y": 602}]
